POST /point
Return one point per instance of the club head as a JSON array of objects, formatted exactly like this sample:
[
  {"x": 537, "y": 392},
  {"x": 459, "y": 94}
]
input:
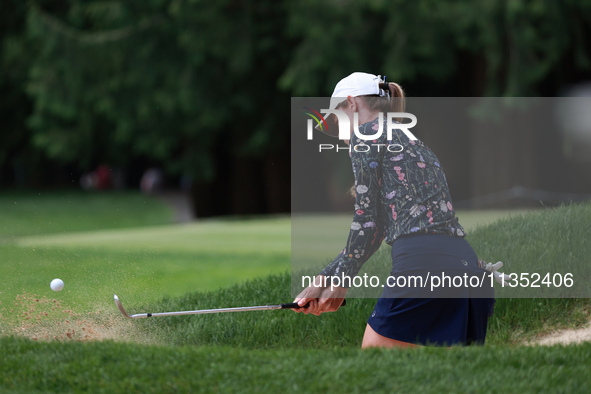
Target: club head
[{"x": 118, "y": 303}]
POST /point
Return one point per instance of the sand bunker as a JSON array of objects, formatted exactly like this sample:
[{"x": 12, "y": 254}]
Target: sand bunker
[
  {"x": 40, "y": 318},
  {"x": 566, "y": 336}
]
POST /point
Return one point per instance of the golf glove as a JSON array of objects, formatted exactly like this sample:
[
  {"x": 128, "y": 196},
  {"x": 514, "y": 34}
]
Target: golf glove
[{"x": 493, "y": 268}]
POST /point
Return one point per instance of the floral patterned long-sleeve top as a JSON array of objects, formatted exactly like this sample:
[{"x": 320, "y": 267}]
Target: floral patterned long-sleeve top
[{"x": 400, "y": 189}]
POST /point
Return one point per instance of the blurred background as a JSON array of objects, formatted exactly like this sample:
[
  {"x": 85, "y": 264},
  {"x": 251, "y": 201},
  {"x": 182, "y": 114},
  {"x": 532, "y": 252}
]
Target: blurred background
[{"x": 193, "y": 97}]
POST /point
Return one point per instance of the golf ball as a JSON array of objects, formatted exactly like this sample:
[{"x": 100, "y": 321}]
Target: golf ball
[{"x": 57, "y": 285}]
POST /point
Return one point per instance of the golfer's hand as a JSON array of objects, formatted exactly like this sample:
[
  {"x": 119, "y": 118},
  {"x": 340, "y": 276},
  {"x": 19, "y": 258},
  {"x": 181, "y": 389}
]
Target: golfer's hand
[
  {"x": 320, "y": 299},
  {"x": 494, "y": 269}
]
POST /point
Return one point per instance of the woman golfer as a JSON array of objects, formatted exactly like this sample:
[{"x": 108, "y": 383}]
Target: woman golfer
[{"x": 402, "y": 196}]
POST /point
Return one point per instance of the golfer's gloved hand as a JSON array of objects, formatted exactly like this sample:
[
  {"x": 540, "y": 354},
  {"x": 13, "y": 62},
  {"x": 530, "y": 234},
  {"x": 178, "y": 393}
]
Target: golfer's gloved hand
[{"x": 494, "y": 269}]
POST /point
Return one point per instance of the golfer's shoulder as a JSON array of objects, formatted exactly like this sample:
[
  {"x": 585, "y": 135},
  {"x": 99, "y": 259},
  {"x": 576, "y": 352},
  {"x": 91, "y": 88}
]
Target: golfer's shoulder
[{"x": 370, "y": 134}]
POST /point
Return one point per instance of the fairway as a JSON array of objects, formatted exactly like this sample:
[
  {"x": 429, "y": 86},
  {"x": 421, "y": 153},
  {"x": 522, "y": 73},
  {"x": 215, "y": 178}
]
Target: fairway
[
  {"x": 103, "y": 243},
  {"x": 317, "y": 238},
  {"x": 149, "y": 262},
  {"x": 264, "y": 236},
  {"x": 125, "y": 253},
  {"x": 54, "y": 212}
]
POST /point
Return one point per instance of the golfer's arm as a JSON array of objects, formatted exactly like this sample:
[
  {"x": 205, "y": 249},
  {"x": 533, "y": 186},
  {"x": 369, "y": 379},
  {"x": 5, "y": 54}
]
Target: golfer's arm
[{"x": 367, "y": 231}]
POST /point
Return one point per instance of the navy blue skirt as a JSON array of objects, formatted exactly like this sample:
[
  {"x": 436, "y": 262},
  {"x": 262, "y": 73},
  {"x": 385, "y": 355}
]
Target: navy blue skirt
[{"x": 454, "y": 312}]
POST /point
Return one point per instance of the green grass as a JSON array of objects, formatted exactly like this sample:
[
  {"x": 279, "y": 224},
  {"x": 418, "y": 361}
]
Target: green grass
[
  {"x": 317, "y": 238},
  {"x": 514, "y": 321},
  {"x": 149, "y": 262},
  {"x": 103, "y": 243},
  {"x": 121, "y": 368},
  {"x": 66, "y": 211},
  {"x": 551, "y": 240}
]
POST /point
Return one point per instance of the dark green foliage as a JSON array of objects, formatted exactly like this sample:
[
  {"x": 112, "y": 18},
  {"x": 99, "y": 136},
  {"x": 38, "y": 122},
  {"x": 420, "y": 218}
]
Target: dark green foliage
[
  {"x": 165, "y": 80},
  {"x": 188, "y": 84},
  {"x": 441, "y": 48}
]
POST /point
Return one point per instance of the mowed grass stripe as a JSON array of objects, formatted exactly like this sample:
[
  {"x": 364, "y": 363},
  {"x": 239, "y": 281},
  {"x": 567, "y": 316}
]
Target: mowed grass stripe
[
  {"x": 52, "y": 212},
  {"x": 261, "y": 236}
]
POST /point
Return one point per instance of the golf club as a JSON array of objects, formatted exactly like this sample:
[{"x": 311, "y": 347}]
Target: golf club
[{"x": 292, "y": 305}]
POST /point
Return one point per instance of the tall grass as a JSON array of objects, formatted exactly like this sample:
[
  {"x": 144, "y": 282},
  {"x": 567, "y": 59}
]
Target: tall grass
[
  {"x": 109, "y": 367},
  {"x": 552, "y": 240},
  {"x": 515, "y": 319}
]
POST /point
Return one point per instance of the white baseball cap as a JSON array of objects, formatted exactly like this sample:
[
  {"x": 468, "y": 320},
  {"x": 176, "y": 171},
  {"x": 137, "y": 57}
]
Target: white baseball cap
[{"x": 356, "y": 84}]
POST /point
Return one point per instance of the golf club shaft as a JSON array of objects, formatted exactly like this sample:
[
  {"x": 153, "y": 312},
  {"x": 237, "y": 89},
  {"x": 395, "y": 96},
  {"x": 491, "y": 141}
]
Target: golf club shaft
[
  {"x": 206, "y": 311},
  {"x": 291, "y": 305}
]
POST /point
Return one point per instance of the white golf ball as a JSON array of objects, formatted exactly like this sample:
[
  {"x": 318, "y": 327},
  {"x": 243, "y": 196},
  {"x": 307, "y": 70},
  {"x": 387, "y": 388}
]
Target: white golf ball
[{"x": 57, "y": 285}]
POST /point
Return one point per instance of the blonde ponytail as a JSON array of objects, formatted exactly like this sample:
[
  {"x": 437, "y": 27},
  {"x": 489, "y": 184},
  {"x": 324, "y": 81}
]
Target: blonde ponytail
[
  {"x": 395, "y": 103},
  {"x": 397, "y": 98}
]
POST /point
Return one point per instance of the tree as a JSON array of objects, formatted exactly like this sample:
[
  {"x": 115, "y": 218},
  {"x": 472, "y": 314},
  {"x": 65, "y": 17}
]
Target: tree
[
  {"x": 202, "y": 88},
  {"x": 188, "y": 84}
]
